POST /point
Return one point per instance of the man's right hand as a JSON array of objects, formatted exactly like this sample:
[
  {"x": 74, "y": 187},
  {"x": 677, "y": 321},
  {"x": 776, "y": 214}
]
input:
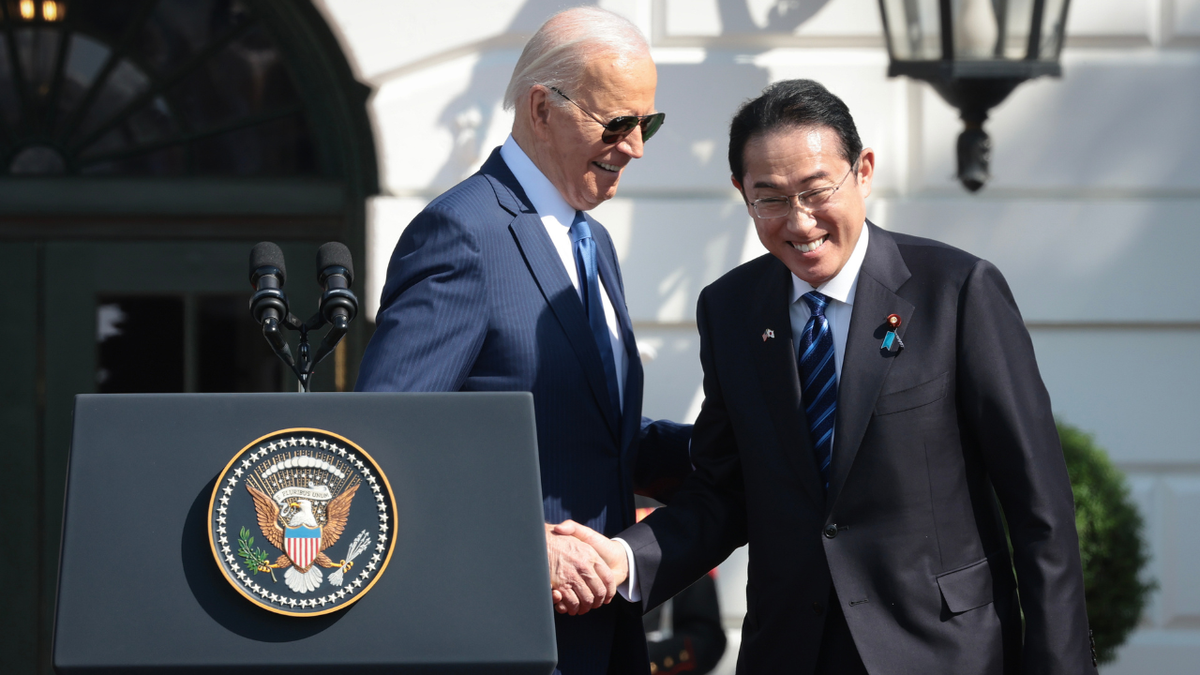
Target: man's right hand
[
  {"x": 579, "y": 577},
  {"x": 610, "y": 551}
]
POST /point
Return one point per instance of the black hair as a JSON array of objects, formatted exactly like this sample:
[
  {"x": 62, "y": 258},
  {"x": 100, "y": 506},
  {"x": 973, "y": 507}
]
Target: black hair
[{"x": 791, "y": 104}]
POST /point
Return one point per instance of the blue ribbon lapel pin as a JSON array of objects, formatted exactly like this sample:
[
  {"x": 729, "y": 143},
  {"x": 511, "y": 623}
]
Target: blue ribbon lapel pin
[{"x": 892, "y": 341}]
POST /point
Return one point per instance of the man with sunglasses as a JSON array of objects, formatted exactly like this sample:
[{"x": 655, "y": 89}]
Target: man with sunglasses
[
  {"x": 504, "y": 283},
  {"x": 872, "y": 406}
]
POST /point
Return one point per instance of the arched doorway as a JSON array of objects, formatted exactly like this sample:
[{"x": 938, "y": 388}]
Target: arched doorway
[{"x": 145, "y": 145}]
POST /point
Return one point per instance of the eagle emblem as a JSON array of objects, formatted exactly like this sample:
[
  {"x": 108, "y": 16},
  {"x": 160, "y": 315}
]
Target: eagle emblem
[
  {"x": 303, "y": 522},
  {"x": 297, "y": 489}
]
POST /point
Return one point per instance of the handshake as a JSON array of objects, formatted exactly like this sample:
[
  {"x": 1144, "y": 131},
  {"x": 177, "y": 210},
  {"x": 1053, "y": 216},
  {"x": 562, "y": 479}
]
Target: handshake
[{"x": 585, "y": 567}]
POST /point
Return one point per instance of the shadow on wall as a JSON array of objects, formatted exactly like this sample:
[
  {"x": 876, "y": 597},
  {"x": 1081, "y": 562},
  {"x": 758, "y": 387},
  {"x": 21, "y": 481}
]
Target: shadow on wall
[
  {"x": 688, "y": 162},
  {"x": 782, "y": 16},
  {"x": 469, "y": 115}
]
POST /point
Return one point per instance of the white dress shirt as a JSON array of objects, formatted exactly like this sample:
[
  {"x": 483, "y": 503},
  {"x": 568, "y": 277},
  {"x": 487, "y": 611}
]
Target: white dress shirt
[
  {"x": 557, "y": 216},
  {"x": 840, "y": 291}
]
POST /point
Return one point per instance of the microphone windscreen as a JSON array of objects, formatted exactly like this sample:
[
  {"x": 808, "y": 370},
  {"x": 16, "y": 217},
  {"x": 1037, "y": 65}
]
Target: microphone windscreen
[
  {"x": 331, "y": 254},
  {"x": 267, "y": 254}
]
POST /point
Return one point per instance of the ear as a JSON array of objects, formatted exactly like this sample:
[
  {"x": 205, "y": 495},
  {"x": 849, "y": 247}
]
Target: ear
[
  {"x": 539, "y": 109},
  {"x": 746, "y": 200},
  {"x": 866, "y": 171},
  {"x": 738, "y": 185}
]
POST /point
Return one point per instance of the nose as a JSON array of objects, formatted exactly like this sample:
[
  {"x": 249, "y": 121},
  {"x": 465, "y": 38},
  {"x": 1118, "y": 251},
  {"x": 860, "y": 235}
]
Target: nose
[
  {"x": 800, "y": 219},
  {"x": 632, "y": 143}
]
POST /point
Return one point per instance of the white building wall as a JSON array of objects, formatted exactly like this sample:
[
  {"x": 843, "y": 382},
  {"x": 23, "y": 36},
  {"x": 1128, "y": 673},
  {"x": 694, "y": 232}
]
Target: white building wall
[{"x": 1093, "y": 211}]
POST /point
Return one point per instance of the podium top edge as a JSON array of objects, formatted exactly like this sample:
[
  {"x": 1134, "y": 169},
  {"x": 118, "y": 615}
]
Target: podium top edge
[{"x": 323, "y": 394}]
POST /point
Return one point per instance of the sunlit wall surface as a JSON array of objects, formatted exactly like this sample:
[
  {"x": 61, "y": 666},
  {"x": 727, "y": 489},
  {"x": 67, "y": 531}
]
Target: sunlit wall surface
[{"x": 1093, "y": 210}]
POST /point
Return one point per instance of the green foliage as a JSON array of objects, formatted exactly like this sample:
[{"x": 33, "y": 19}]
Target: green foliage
[
  {"x": 251, "y": 558},
  {"x": 1110, "y": 542}
]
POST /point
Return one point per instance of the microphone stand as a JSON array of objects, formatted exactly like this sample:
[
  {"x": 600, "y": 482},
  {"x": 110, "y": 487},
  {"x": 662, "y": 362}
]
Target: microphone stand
[
  {"x": 268, "y": 305},
  {"x": 304, "y": 364}
]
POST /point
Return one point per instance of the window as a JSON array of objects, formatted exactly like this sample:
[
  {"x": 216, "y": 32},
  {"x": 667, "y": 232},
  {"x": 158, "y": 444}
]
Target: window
[{"x": 146, "y": 88}]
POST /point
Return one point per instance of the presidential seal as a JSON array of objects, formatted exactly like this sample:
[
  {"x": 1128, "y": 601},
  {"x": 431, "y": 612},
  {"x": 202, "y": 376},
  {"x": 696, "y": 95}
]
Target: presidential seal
[{"x": 301, "y": 522}]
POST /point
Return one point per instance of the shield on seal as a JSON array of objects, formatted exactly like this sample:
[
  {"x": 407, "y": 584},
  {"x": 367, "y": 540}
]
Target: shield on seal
[{"x": 302, "y": 545}]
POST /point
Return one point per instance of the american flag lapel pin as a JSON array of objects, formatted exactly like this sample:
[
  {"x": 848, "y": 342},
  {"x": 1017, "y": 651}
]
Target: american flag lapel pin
[{"x": 768, "y": 334}]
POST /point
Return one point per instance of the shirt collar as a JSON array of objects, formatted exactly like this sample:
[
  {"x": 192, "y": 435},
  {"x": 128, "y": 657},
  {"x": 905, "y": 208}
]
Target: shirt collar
[
  {"x": 545, "y": 198},
  {"x": 843, "y": 284}
]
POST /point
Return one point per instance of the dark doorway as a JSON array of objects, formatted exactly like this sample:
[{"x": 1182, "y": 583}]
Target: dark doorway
[{"x": 145, "y": 146}]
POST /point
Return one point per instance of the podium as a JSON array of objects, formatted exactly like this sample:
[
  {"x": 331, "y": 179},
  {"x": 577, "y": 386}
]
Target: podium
[{"x": 466, "y": 589}]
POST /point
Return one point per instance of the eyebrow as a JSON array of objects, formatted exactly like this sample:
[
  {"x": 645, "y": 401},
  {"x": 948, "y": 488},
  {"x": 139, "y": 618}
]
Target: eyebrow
[{"x": 772, "y": 186}]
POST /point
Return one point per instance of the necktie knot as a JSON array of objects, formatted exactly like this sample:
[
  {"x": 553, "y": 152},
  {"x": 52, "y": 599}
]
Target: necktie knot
[
  {"x": 816, "y": 302},
  {"x": 579, "y": 228}
]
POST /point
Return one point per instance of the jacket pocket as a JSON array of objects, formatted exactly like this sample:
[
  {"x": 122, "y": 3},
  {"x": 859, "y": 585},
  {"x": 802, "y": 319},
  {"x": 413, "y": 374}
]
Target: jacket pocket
[
  {"x": 913, "y": 397},
  {"x": 967, "y": 587}
]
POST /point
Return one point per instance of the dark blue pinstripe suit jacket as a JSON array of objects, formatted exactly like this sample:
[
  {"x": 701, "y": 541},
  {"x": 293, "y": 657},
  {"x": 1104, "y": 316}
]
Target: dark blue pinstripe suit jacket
[{"x": 477, "y": 299}]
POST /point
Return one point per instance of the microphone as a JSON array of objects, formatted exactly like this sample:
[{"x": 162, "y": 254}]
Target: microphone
[
  {"x": 335, "y": 273},
  {"x": 267, "y": 275},
  {"x": 269, "y": 305}
]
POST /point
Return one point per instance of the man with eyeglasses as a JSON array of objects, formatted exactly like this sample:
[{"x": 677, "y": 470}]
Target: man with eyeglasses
[
  {"x": 504, "y": 283},
  {"x": 872, "y": 406}
]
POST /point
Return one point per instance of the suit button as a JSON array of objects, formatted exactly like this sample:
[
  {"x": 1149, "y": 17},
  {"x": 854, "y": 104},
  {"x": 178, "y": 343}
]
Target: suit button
[
  {"x": 817, "y": 608},
  {"x": 831, "y": 531}
]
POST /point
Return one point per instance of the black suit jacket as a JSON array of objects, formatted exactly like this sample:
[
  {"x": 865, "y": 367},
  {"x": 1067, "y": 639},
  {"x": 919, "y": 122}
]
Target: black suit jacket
[
  {"x": 909, "y": 533},
  {"x": 477, "y": 299}
]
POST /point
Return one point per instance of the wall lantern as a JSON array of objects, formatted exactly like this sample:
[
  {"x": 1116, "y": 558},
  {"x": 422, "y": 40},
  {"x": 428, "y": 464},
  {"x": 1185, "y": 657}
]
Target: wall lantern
[
  {"x": 33, "y": 10},
  {"x": 974, "y": 53}
]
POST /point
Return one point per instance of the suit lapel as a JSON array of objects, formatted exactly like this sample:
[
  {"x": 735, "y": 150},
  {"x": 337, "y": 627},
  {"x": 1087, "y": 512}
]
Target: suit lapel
[
  {"x": 632, "y": 403},
  {"x": 866, "y": 365},
  {"x": 547, "y": 269},
  {"x": 775, "y": 361}
]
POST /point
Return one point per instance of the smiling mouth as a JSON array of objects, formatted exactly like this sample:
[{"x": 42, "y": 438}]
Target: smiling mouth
[
  {"x": 608, "y": 167},
  {"x": 810, "y": 246}
]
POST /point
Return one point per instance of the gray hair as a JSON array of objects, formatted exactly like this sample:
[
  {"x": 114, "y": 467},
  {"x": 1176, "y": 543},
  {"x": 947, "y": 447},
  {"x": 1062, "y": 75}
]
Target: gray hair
[{"x": 559, "y": 51}]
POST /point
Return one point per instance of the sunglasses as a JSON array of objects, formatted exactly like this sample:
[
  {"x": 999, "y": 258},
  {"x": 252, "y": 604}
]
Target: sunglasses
[{"x": 618, "y": 127}]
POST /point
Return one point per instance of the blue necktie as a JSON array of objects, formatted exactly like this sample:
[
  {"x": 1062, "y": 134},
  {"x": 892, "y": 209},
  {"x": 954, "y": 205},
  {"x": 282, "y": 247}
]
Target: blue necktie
[
  {"x": 818, "y": 381},
  {"x": 589, "y": 282}
]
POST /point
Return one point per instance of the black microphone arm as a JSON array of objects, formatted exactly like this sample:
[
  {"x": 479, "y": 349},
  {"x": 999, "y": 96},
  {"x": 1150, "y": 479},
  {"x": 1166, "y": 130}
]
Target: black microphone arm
[{"x": 269, "y": 306}]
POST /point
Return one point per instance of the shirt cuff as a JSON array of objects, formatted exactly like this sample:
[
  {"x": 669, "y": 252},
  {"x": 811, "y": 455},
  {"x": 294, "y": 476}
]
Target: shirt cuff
[{"x": 629, "y": 588}]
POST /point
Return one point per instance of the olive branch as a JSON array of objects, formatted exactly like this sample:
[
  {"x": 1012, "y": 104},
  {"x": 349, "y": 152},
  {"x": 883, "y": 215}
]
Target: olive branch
[{"x": 253, "y": 559}]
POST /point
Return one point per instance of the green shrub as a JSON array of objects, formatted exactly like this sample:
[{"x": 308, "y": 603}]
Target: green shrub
[{"x": 1111, "y": 544}]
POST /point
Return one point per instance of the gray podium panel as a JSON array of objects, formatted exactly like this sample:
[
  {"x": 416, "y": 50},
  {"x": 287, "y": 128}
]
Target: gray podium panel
[{"x": 466, "y": 590}]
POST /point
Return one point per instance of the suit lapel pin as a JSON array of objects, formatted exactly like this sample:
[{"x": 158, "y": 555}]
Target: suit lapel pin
[
  {"x": 768, "y": 334},
  {"x": 892, "y": 339}
]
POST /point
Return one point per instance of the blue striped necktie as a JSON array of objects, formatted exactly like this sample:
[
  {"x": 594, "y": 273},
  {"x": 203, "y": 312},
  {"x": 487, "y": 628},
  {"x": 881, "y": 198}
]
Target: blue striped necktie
[
  {"x": 589, "y": 282},
  {"x": 818, "y": 381}
]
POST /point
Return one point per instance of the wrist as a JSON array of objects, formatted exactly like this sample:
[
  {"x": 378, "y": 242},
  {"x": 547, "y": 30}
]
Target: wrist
[
  {"x": 620, "y": 568},
  {"x": 620, "y": 559}
]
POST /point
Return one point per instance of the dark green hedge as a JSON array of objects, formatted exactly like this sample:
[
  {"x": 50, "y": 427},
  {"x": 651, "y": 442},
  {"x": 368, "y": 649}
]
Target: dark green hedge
[{"x": 1111, "y": 544}]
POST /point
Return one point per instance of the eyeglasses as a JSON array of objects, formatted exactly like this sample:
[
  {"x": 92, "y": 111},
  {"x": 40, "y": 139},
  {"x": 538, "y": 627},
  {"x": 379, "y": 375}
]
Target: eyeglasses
[
  {"x": 810, "y": 201},
  {"x": 618, "y": 127}
]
